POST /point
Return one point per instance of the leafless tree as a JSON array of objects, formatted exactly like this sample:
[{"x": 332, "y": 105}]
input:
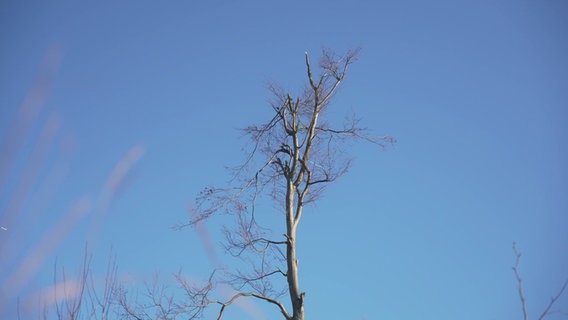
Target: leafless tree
[
  {"x": 82, "y": 297},
  {"x": 548, "y": 309},
  {"x": 158, "y": 301},
  {"x": 102, "y": 300},
  {"x": 292, "y": 158},
  {"x": 68, "y": 303}
]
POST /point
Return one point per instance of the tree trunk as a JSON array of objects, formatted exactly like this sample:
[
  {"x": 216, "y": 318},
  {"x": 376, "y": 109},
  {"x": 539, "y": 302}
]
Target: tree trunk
[{"x": 296, "y": 297}]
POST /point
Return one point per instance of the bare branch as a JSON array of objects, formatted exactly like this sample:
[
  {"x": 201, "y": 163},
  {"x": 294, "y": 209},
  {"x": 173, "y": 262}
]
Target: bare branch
[
  {"x": 520, "y": 281},
  {"x": 357, "y": 133},
  {"x": 101, "y": 304},
  {"x": 309, "y": 70},
  {"x": 553, "y": 300},
  {"x": 251, "y": 294}
]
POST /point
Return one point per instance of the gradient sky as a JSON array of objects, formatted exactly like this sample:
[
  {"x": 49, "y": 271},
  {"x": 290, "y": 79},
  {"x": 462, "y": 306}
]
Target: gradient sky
[{"x": 114, "y": 115}]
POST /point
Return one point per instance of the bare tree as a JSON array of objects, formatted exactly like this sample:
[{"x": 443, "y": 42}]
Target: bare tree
[
  {"x": 548, "y": 309},
  {"x": 293, "y": 157},
  {"x": 82, "y": 296},
  {"x": 69, "y": 303}
]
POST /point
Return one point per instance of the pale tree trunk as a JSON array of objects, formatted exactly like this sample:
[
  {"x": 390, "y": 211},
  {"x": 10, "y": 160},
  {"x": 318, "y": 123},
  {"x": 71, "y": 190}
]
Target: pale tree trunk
[{"x": 296, "y": 296}]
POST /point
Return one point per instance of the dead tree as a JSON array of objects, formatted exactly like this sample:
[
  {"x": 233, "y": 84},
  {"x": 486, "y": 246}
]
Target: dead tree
[
  {"x": 293, "y": 157},
  {"x": 548, "y": 309}
]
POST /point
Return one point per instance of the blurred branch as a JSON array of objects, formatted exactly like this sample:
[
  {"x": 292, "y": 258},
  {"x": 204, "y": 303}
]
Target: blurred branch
[
  {"x": 520, "y": 281},
  {"x": 547, "y": 311},
  {"x": 553, "y": 300}
]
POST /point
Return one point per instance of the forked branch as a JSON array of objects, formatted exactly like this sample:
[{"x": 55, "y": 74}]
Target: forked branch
[
  {"x": 553, "y": 300},
  {"x": 547, "y": 311}
]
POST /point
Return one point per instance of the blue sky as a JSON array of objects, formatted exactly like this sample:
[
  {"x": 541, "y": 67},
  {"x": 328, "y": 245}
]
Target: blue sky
[{"x": 113, "y": 115}]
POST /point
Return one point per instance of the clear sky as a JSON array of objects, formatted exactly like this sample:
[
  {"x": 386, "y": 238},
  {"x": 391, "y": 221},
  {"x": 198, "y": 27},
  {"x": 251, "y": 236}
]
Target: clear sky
[{"x": 114, "y": 114}]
